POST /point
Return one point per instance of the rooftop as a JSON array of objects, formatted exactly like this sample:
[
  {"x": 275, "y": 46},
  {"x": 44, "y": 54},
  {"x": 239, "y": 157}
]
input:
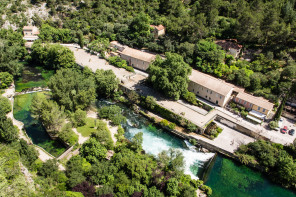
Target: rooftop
[
  {"x": 259, "y": 101},
  {"x": 158, "y": 27},
  {"x": 212, "y": 83},
  {"x": 148, "y": 57}
]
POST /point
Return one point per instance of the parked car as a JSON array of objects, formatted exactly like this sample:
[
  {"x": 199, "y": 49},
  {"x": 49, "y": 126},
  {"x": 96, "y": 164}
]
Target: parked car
[
  {"x": 291, "y": 132},
  {"x": 284, "y": 130}
]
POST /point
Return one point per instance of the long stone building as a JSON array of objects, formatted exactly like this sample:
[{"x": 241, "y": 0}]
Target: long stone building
[
  {"x": 136, "y": 58},
  {"x": 210, "y": 88}
]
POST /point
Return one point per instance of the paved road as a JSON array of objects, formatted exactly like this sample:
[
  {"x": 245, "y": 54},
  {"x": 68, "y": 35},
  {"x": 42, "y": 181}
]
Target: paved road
[{"x": 198, "y": 117}]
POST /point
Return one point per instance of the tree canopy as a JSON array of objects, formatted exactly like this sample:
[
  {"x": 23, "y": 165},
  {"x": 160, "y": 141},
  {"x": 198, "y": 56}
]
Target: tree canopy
[
  {"x": 71, "y": 89},
  {"x": 170, "y": 75}
]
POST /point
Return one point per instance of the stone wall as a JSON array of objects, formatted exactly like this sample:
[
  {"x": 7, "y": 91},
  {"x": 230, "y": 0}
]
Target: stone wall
[{"x": 240, "y": 128}]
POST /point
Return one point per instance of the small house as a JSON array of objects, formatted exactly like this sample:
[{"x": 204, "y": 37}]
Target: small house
[
  {"x": 158, "y": 30},
  {"x": 30, "y": 33}
]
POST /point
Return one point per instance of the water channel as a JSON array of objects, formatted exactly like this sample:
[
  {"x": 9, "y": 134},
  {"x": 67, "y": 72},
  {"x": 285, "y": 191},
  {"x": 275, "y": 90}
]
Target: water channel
[{"x": 226, "y": 177}]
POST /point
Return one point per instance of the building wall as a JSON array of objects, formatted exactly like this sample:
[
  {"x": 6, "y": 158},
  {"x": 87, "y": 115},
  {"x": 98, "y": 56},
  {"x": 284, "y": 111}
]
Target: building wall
[
  {"x": 136, "y": 63},
  {"x": 260, "y": 109},
  {"x": 250, "y": 106},
  {"x": 208, "y": 94},
  {"x": 161, "y": 32},
  {"x": 28, "y": 32},
  {"x": 244, "y": 103}
]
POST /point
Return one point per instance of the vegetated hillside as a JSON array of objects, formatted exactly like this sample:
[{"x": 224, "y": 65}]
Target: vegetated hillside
[{"x": 266, "y": 29}]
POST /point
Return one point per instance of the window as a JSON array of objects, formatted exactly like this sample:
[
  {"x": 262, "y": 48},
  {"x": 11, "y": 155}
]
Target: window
[
  {"x": 259, "y": 108},
  {"x": 210, "y": 98},
  {"x": 245, "y": 102},
  {"x": 192, "y": 90},
  {"x": 197, "y": 92},
  {"x": 220, "y": 97},
  {"x": 206, "y": 96},
  {"x": 207, "y": 90},
  {"x": 217, "y": 102},
  {"x": 263, "y": 110}
]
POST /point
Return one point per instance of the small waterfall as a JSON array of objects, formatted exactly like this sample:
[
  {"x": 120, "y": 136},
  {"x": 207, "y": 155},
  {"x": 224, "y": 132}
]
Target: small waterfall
[{"x": 190, "y": 146}]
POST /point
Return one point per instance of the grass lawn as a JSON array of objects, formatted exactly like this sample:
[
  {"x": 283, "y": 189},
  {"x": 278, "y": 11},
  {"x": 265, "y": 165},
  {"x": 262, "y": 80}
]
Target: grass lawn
[{"x": 87, "y": 129}]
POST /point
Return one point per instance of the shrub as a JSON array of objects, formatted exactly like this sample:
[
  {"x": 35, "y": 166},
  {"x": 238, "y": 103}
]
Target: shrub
[
  {"x": 164, "y": 122},
  {"x": 68, "y": 135},
  {"x": 244, "y": 113},
  {"x": 193, "y": 142},
  {"x": 190, "y": 97},
  {"x": 113, "y": 113},
  {"x": 206, "y": 189},
  {"x": 273, "y": 124},
  {"x": 118, "y": 62},
  {"x": 5, "y": 104},
  {"x": 191, "y": 127},
  {"x": 79, "y": 118},
  {"x": 5, "y": 79},
  {"x": 172, "y": 125},
  {"x": 103, "y": 135},
  {"x": 219, "y": 130}
]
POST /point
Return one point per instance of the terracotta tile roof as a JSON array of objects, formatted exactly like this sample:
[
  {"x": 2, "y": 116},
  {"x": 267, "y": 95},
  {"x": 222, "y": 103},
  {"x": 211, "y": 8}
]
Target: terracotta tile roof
[
  {"x": 212, "y": 83},
  {"x": 159, "y": 27},
  {"x": 259, "y": 101},
  {"x": 137, "y": 54},
  {"x": 28, "y": 27}
]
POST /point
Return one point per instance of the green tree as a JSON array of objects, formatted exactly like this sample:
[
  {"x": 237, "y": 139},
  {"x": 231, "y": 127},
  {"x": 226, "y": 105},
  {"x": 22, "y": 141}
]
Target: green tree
[
  {"x": 68, "y": 135},
  {"x": 172, "y": 160},
  {"x": 49, "y": 167},
  {"x": 52, "y": 56},
  {"x": 137, "y": 141},
  {"x": 93, "y": 151},
  {"x": 113, "y": 113},
  {"x": 8, "y": 132},
  {"x": 5, "y": 79},
  {"x": 170, "y": 76},
  {"x": 71, "y": 89},
  {"x": 107, "y": 83},
  {"x": 103, "y": 135},
  {"x": 5, "y": 104},
  {"x": 79, "y": 118},
  {"x": 49, "y": 113}
]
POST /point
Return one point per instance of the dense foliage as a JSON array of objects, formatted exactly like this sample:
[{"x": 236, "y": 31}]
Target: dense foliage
[
  {"x": 113, "y": 113},
  {"x": 170, "y": 75},
  {"x": 5, "y": 105},
  {"x": 276, "y": 160},
  {"x": 52, "y": 56},
  {"x": 5, "y": 79},
  {"x": 72, "y": 89},
  {"x": 107, "y": 83},
  {"x": 48, "y": 112}
]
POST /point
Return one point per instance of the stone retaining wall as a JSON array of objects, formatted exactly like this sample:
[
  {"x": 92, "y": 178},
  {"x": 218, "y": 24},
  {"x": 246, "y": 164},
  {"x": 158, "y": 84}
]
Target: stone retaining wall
[{"x": 240, "y": 128}]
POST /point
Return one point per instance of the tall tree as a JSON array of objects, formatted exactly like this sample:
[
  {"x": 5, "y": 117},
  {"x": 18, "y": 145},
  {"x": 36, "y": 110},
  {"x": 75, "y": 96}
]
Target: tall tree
[{"x": 170, "y": 75}]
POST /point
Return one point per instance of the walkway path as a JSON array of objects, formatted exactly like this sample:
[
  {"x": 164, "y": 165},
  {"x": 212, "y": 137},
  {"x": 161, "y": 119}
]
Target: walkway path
[{"x": 135, "y": 81}]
